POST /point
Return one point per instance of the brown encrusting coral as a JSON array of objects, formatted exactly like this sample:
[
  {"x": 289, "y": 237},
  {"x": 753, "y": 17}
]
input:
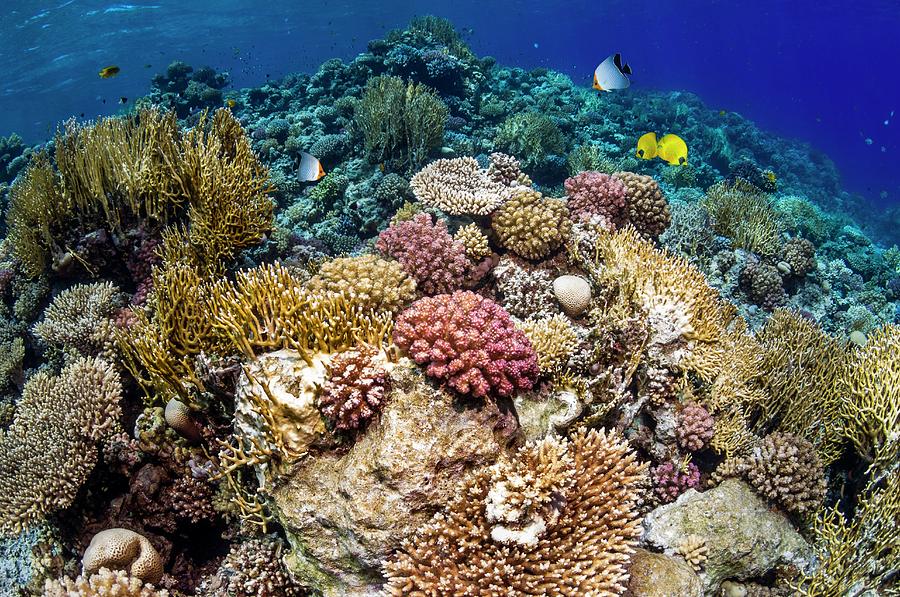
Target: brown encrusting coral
[{"x": 558, "y": 518}]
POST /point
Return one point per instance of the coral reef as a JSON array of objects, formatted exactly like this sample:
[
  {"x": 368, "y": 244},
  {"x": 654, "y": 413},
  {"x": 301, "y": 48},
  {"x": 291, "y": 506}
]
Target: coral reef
[{"x": 367, "y": 280}]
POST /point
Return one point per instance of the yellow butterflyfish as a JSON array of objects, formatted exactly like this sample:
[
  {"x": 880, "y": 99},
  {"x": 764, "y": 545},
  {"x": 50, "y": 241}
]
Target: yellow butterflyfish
[
  {"x": 673, "y": 150},
  {"x": 646, "y": 146}
]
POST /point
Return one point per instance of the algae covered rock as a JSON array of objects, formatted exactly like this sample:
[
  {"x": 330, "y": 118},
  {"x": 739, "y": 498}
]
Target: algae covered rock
[
  {"x": 661, "y": 575},
  {"x": 744, "y": 538},
  {"x": 343, "y": 514}
]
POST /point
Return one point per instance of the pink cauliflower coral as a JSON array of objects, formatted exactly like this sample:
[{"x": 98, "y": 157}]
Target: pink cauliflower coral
[
  {"x": 355, "y": 388},
  {"x": 695, "y": 427},
  {"x": 597, "y": 196},
  {"x": 671, "y": 480},
  {"x": 470, "y": 342},
  {"x": 428, "y": 253}
]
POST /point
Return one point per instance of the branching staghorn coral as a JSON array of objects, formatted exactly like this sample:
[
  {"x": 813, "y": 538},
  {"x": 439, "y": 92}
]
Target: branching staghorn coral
[
  {"x": 554, "y": 340},
  {"x": 744, "y": 214},
  {"x": 51, "y": 446},
  {"x": 104, "y": 583},
  {"x": 80, "y": 318},
  {"x": 559, "y": 518}
]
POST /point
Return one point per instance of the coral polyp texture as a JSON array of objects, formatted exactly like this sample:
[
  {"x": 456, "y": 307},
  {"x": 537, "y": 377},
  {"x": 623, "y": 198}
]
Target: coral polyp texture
[
  {"x": 355, "y": 387},
  {"x": 648, "y": 209},
  {"x": 427, "y": 252},
  {"x": 531, "y": 225},
  {"x": 104, "y": 583},
  {"x": 458, "y": 186},
  {"x": 367, "y": 280},
  {"x": 595, "y": 195},
  {"x": 539, "y": 523},
  {"x": 50, "y": 448},
  {"x": 468, "y": 341}
]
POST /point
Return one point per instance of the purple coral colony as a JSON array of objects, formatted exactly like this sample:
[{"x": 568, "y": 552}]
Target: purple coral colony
[{"x": 491, "y": 352}]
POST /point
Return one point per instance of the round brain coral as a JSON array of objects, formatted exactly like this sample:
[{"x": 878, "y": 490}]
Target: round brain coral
[
  {"x": 468, "y": 341},
  {"x": 367, "y": 280},
  {"x": 597, "y": 196},
  {"x": 531, "y": 225},
  {"x": 648, "y": 210},
  {"x": 355, "y": 388},
  {"x": 427, "y": 252}
]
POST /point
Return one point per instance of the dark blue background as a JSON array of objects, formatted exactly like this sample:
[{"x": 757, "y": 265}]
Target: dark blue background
[{"x": 822, "y": 71}]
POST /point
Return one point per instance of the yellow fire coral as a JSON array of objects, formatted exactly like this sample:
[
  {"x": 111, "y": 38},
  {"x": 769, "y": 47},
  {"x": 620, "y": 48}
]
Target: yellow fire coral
[
  {"x": 50, "y": 448},
  {"x": 120, "y": 170},
  {"x": 367, "y": 280},
  {"x": 684, "y": 316},
  {"x": 872, "y": 384},
  {"x": 802, "y": 369},
  {"x": 559, "y": 518},
  {"x": 554, "y": 340},
  {"x": 458, "y": 186},
  {"x": 531, "y": 225},
  {"x": 744, "y": 214},
  {"x": 267, "y": 308}
]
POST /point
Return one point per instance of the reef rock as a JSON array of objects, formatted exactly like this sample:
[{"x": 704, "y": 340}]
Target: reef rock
[
  {"x": 344, "y": 514},
  {"x": 744, "y": 538},
  {"x": 660, "y": 575}
]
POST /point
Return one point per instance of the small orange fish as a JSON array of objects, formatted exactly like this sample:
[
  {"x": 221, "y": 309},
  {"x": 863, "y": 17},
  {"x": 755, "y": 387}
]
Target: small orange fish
[
  {"x": 108, "y": 72},
  {"x": 230, "y": 103}
]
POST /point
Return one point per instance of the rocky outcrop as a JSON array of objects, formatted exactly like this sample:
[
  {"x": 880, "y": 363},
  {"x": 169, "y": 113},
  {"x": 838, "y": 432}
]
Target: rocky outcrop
[
  {"x": 744, "y": 537},
  {"x": 660, "y": 575},
  {"x": 344, "y": 514}
]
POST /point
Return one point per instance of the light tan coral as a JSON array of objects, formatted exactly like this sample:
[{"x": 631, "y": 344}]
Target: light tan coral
[
  {"x": 78, "y": 318},
  {"x": 105, "y": 583},
  {"x": 123, "y": 549},
  {"x": 367, "y": 280},
  {"x": 554, "y": 340},
  {"x": 474, "y": 240},
  {"x": 50, "y": 448},
  {"x": 458, "y": 186},
  {"x": 531, "y": 225},
  {"x": 744, "y": 214},
  {"x": 559, "y": 518},
  {"x": 573, "y": 294},
  {"x": 648, "y": 210},
  {"x": 693, "y": 549}
]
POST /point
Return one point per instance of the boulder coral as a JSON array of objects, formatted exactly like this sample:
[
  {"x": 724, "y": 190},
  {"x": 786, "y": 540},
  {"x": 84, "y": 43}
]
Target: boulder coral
[
  {"x": 531, "y": 225},
  {"x": 597, "y": 196},
  {"x": 469, "y": 342}
]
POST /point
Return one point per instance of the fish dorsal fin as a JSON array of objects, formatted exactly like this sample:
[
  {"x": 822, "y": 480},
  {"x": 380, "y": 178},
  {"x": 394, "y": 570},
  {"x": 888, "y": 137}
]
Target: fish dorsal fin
[
  {"x": 626, "y": 69},
  {"x": 617, "y": 60}
]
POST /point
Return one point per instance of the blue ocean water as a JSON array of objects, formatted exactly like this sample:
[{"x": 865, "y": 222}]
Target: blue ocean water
[{"x": 821, "y": 71}]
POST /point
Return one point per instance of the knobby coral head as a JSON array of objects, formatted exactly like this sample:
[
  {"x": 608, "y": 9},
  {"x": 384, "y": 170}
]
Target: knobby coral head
[{"x": 470, "y": 342}]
